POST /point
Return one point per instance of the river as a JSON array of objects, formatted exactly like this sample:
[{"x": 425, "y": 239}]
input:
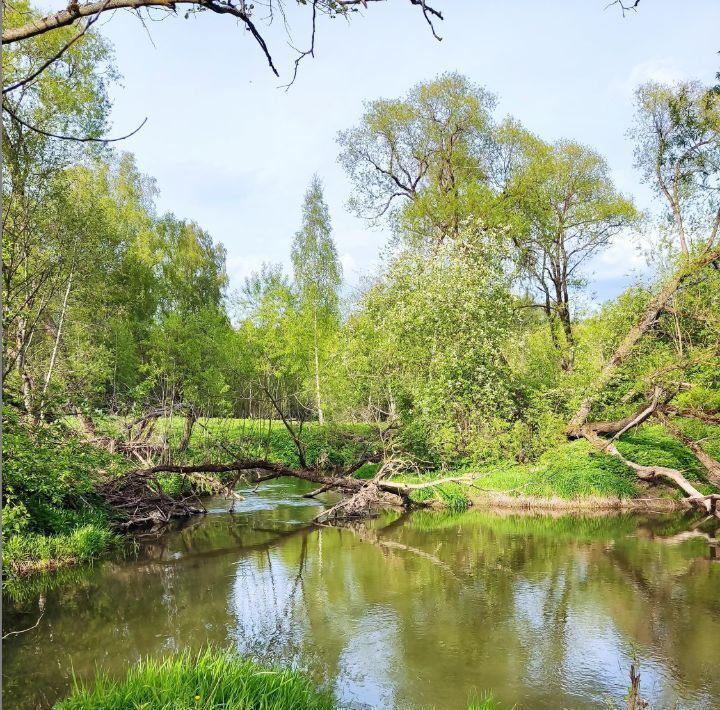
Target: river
[{"x": 410, "y": 611}]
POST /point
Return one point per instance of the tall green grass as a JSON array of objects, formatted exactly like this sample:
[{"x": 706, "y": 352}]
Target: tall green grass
[
  {"x": 485, "y": 701},
  {"x": 27, "y": 553},
  {"x": 210, "y": 679}
]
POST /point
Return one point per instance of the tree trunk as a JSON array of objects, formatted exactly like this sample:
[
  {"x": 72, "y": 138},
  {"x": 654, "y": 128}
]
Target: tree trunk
[
  {"x": 564, "y": 314},
  {"x": 190, "y": 419},
  {"x": 651, "y": 473},
  {"x": 53, "y": 357},
  {"x": 25, "y": 378},
  {"x": 321, "y": 419}
]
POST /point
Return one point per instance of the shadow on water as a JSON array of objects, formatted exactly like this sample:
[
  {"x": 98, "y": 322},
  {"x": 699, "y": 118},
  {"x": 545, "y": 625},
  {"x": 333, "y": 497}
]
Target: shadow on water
[{"x": 400, "y": 611}]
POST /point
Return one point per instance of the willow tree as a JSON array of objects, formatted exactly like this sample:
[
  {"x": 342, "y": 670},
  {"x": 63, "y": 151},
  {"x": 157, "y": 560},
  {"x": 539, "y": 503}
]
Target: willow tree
[
  {"x": 422, "y": 160},
  {"x": 318, "y": 275}
]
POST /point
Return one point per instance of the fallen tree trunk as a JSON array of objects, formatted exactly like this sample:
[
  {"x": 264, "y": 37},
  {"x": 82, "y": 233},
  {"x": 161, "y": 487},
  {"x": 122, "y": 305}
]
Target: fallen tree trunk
[
  {"x": 139, "y": 497},
  {"x": 711, "y": 465},
  {"x": 651, "y": 473},
  {"x": 656, "y": 306}
]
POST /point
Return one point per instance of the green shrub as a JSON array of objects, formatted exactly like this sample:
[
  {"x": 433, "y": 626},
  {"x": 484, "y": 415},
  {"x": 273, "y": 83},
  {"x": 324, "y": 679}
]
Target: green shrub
[
  {"x": 52, "y": 515},
  {"x": 49, "y": 478}
]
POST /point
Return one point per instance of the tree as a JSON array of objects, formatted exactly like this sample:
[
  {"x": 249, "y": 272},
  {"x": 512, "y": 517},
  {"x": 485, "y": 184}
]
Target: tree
[
  {"x": 684, "y": 169},
  {"x": 566, "y": 210},
  {"x": 436, "y": 323},
  {"x": 423, "y": 160},
  {"x": 42, "y": 223},
  {"x": 436, "y": 158},
  {"x": 677, "y": 139},
  {"x": 270, "y": 330},
  {"x": 318, "y": 275},
  {"x": 192, "y": 266}
]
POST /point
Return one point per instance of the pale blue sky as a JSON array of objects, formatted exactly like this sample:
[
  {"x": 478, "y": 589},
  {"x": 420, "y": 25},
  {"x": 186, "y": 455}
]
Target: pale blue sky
[{"x": 234, "y": 152}]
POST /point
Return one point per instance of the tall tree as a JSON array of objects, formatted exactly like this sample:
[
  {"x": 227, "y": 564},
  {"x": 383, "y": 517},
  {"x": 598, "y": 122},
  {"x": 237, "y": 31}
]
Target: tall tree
[
  {"x": 566, "y": 209},
  {"x": 677, "y": 136},
  {"x": 318, "y": 276},
  {"x": 423, "y": 159},
  {"x": 677, "y": 139},
  {"x": 43, "y": 223}
]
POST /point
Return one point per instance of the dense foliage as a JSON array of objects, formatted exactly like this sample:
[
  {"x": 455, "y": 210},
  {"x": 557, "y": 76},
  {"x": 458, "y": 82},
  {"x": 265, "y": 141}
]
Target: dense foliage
[{"x": 474, "y": 340}]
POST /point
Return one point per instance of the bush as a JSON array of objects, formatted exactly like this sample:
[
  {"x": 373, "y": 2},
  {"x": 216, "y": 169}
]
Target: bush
[
  {"x": 49, "y": 478},
  {"x": 52, "y": 515}
]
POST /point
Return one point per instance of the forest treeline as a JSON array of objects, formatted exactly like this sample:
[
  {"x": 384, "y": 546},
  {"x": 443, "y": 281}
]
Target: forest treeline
[{"x": 475, "y": 337}]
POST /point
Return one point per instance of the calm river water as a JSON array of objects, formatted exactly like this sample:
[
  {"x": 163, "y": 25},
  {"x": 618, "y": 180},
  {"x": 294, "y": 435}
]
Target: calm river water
[{"x": 399, "y": 612}]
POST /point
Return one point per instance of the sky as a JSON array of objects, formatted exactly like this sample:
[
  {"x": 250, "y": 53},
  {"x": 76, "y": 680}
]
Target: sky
[{"x": 233, "y": 150}]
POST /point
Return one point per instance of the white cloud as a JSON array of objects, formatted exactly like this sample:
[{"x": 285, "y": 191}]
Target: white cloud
[
  {"x": 348, "y": 263},
  {"x": 621, "y": 260},
  {"x": 664, "y": 70}
]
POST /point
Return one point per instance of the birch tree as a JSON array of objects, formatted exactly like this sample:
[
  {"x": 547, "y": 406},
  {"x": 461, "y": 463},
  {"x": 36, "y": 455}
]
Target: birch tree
[{"x": 318, "y": 276}]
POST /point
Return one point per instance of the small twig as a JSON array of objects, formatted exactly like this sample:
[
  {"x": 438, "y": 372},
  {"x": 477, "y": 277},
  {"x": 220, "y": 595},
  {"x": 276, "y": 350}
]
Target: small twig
[
  {"x": 77, "y": 139},
  {"x": 22, "y": 631}
]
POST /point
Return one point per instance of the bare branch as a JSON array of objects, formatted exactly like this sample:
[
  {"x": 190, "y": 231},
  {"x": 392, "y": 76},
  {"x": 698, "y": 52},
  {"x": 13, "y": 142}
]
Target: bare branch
[{"x": 77, "y": 139}]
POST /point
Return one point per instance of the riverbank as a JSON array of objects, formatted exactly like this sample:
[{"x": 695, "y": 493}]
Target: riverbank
[
  {"x": 54, "y": 517},
  {"x": 213, "y": 680}
]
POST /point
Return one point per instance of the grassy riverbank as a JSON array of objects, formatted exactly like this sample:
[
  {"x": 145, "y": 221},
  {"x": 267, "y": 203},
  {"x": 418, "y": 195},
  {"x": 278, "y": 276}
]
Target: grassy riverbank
[
  {"x": 572, "y": 475},
  {"x": 212, "y": 679},
  {"x": 53, "y": 517}
]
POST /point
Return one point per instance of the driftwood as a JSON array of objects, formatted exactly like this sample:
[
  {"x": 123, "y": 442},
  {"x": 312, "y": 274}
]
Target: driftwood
[
  {"x": 652, "y": 473},
  {"x": 660, "y": 398},
  {"x": 139, "y": 498}
]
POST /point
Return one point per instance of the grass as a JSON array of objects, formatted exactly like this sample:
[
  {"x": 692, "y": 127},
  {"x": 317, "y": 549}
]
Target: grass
[
  {"x": 651, "y": 444},
  {"x": 573, "y": 471},
  {"x": 335, "y": 444},
  {"x": 210, "y": 679},
  {"x": 28, "y": 553},
  {"x": 213, "y": 679},
  {"x": 569, "y": 471},
  {"x": 485, "y": 701}
]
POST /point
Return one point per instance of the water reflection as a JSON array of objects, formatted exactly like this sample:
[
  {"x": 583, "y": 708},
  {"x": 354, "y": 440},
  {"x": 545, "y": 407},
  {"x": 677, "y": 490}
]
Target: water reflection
[{"x": 399, "y": 612}]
